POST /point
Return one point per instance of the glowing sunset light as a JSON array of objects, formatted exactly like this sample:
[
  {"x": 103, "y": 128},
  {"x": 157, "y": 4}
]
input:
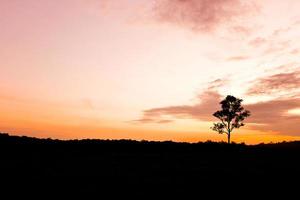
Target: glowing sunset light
[
  {"x": 148, "y": 69},
  {"x": 294, "y": 111}
]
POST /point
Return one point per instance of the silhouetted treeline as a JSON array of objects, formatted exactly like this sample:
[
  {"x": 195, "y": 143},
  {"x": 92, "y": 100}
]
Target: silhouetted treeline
[{"x": 98, "y": 166}]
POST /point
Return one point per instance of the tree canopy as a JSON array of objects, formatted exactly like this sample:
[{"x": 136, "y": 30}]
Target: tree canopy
[{"x": 231, "y": 115}]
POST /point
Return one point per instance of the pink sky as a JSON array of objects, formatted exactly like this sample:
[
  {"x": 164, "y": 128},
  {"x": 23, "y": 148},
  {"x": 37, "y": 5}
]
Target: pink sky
[{"x": 152, "y": 69}]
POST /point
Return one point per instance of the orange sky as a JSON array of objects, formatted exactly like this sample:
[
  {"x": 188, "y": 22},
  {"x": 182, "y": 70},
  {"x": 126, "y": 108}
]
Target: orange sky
[{"x": 148, "y": 69}]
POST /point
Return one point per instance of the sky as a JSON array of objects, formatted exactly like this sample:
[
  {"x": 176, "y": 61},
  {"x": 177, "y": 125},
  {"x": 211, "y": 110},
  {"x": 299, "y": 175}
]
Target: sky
[{"x": 149, "y": 69}]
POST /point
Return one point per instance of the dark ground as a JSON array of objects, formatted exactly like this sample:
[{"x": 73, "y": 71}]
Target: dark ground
[{"x": 31, "y": 165}]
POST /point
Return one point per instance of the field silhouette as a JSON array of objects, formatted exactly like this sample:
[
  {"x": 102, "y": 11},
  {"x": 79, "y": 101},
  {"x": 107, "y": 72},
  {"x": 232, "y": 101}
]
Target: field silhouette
[{"x": 143, "y": 167}]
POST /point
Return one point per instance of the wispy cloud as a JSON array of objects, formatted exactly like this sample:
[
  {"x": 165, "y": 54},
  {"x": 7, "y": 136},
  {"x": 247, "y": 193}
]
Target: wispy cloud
[
  {"x": 202, "y": 15},
  {"x": 237, "y": 58},
  {"x": 281, "y": 31},
  {"x": 208, "y": 103},
  {"x": 281, "y": 82},
  {"x": 216, "y": 84},
  {"x": 258, "y": 41},
  {"x": 295, "y": 51},
  {"x": 277, "y": 46},
  {"x": 271, "y": 115}
]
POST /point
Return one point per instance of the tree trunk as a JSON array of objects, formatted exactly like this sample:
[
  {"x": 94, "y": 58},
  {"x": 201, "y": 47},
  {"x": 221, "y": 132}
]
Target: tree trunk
[
  {"x": 228, "y": 131},
  {"x": 228, "y": 138}
]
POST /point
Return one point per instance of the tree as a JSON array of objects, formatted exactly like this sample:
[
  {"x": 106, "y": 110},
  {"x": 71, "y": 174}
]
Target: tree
[{"x": 231, "y": 116}]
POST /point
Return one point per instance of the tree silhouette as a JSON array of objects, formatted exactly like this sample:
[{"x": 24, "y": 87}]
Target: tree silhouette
[{"x": 231, "y": 116}]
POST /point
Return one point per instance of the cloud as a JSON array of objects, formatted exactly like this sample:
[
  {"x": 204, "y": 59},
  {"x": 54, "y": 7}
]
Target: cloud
[
  {"x": 272, "y": 115},
  {"x": 276, "y": 41},
  {"x": 295, "y": 51},
  {"x": 266, "y": 116},
  {"x": 164, "y": 121},
  {"x": 218, "y": 83},
  {"x": 202, "y": 15},
  {"x": 144, "y": 120},
  {"x": 276, "y": 83},
  {"x": 272, "y": 111},
  {"x": 277, "y": 46},
  {"x": 241, "y": 29},
  {"x": 208, "y": 103},
  {"x": 258, "y": 41},
  {"x": 281, "y": 31},
  {"x": 237, "y": 58}
]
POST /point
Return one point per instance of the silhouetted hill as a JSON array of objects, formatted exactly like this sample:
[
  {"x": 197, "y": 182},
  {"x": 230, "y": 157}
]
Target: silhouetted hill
[{"x": 98, "y": 166}]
